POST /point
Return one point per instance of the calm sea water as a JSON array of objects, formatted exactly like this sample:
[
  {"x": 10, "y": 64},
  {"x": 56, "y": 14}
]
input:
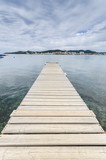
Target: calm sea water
[{"x": 87, "y": 74}]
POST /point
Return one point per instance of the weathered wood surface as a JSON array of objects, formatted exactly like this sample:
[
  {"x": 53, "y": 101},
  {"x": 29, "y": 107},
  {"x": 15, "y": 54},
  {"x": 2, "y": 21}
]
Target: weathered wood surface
[
  {"x": 52, "y": 100},
  {"x": 52, "y": 89},
  {"x": 52, "y": 128},
  {"x": 52, "y": 97},
  {"x": 53, "y": 103},
  {"x": 53, "y": 153},
  {"x": 55, "y": 108},
  {"x": 52, "y": 122},
  {"x": 40, "y": 93},
  {"x": 26, "y": 113},
  {"x": 54, "y": 92},
  {"x": 53, "y": 140}
]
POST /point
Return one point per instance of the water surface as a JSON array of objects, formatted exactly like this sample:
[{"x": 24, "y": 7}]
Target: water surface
[{"x": 86, "y": 73}]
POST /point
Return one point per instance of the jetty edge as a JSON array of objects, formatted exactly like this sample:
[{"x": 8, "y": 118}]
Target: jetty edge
[{"x": 52, "y": 122}]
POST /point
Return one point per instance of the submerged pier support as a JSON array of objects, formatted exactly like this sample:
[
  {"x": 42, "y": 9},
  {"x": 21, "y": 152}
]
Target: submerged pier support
[{"x": 52, "y": 122}]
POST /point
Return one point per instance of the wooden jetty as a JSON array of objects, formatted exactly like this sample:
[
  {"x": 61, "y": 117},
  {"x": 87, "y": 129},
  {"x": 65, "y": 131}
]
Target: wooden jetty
[{"x": 52, "y": 123}]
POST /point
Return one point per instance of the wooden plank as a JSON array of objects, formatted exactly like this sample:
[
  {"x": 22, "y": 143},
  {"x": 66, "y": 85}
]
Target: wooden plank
[
  {"x": 52, "y": 128},
  {"x": 52, "y": 82},
  {"x": 52, "y": 73},
  {"x": 52, "y": 100},
  {"x": 60, "y": 76},
  {"x": 53, "y": 140},
  {"x": 51, "y": 108},
  {"x": 53, "y": 153},
  {"x": 53, "y": 103},
  {"x": 29, "y": 113},
  {"x": 53, "y": 78},
  {"x": 53, "y": 69},
  {"x": 51, "y": 89},
  {"x": 53, "y": 120},
  {"x": 52, "y": 93},
  {"x": 42, "y": 87},
  {"x": 49, "y": 78},
  {"x": 51, "y": 85},
  {"x": 52, "y": 97},
  {"x": 43, "y": 91},
  {"x": 65, "y": 93}
]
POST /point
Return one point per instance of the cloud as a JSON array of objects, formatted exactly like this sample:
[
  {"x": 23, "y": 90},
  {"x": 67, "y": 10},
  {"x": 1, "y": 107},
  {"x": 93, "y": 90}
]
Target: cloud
[{"x": 52, "y": 24}]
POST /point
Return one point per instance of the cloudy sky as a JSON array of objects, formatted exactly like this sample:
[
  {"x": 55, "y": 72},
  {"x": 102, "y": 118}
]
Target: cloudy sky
[{"x": 52, "y": 24}]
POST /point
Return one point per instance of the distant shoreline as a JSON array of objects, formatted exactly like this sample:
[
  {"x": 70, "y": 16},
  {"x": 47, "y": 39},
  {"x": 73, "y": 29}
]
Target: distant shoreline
[{"x": 59, "y": 52}]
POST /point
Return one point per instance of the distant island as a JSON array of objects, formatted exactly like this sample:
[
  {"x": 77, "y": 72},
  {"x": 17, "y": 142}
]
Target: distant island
[{"x": 59, "y": 52}]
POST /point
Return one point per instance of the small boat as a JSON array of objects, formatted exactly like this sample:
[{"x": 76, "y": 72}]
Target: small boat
[{"x": 2, "y": 55}]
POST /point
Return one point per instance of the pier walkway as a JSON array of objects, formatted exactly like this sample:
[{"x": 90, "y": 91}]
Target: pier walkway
[{"x": 52, "y": 123}]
